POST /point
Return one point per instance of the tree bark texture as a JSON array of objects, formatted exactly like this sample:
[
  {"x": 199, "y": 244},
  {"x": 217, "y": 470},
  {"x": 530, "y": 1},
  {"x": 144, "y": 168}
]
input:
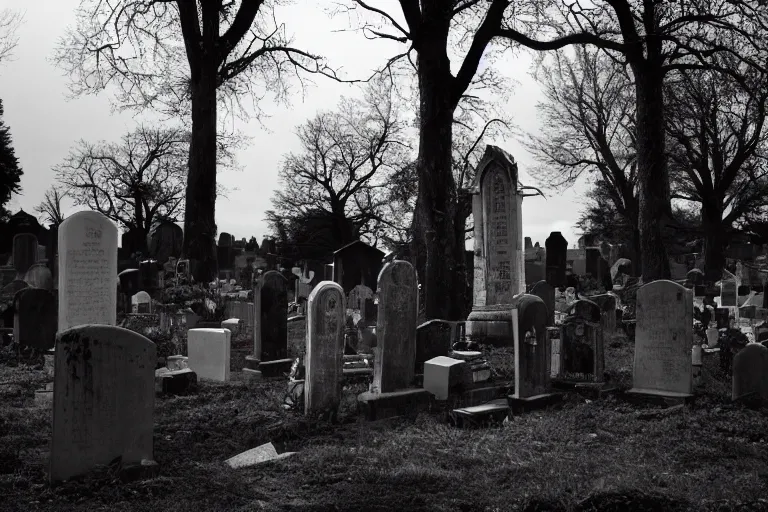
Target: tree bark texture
[{"x": 715, "y": 240}]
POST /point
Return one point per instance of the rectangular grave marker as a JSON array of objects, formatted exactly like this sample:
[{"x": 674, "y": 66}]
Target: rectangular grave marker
[{"x": 209, "y": 352}]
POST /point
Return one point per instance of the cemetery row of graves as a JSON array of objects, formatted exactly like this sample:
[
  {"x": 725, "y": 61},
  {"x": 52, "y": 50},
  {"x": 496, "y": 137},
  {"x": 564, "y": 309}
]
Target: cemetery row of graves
[{"x": 357, "y": 351}]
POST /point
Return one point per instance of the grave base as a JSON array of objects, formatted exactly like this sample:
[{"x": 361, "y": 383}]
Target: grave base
[
  {"x": 593, "y": 390},
  {"x": 178, "y": 382},
  {"x": 251, "y": 362},
  {"x": 486, "y": 414},
  {"x": 279, "y": 368},
  {"x": 376, "y": 406},
  {"x": 658, "y": 397},
  {"x": 532, "y": 403},
  {"x": 143, "y": 470},
  {"x": 357, "y": 372},
  {"x": 252, "y": 375}
]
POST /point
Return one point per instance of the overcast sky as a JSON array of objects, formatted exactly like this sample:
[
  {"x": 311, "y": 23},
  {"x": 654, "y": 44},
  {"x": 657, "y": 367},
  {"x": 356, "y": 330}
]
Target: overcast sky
[{"x": 45, "y": 125}]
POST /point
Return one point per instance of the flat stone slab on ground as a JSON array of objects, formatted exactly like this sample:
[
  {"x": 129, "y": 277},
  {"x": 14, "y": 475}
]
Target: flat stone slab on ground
[
  {"x": 658, "y": 397},
  {"x": 376, "y": 406},
  {"x": 258, "y": 455},
  {"x": 532, "y": 403},
  {"x": 494, "y": 411}
]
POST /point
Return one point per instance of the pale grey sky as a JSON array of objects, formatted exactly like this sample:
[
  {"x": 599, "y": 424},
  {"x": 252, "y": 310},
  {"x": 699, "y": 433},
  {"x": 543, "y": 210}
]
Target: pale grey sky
[{"x": 44, "y": 125}]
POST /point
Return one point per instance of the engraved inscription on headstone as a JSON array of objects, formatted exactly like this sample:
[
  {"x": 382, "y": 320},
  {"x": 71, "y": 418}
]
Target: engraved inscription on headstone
[{"x": 501, "y": 239}]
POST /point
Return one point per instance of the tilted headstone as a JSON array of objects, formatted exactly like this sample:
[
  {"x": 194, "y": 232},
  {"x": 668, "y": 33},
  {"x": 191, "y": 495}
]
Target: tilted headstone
[
  {"x": 582, "y": 357},
  {"x": 663, "y": 339},
  {"x": 87, "y": 270},
  {"x": 25, "y": 253},
  {"x": 532, "y": 350},
  {"x": 103, "y": 398},
  {"x": 396, "y": 327},
  {"x": 324, "y": 359},
  {"x": 750, "y": 372},
  {"x": 39, "y": 276},
  {"x": 274, "y": 316},
  {"x": 557, "y": 257},
  {"x": 208, "y": 352},
  {"x": 546, "y": 292},
  {"x": 35, "y": 323}
]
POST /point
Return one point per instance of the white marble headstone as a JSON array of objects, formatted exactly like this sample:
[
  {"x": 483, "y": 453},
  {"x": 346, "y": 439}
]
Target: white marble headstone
[{"x": 209, "y": 353}]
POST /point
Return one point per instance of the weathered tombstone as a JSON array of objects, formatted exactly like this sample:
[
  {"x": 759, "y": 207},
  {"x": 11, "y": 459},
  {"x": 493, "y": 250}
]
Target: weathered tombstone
[
  {"x": 728, "y": 290},
  {"x": 722, "y": 317},
  {"x": 103, "y": 398},
  {"x": 208, "y": 351},
  {"x": 165, "y": 241},
  {"x": 39, "y": 276},
  {"x": 396, "y": 328},
  {"x": 607, "y": 304},
  {"x": 87, "y": 270},
  {"x": 750, "y": 373},
  {"x": 546, "y": 293},
  {"x": 663, "y": 340},
  {"x": 35, "y": 322},
  {"x": 620, "y": 268},
  {"x": 582, "y": 357},
  {"x": 25, "y": 253},
  {"x": 274, "y": 316},
  {"x": 532, "y": 350},
  {"x": 325, "y": 350},
  {"x": 149, "y": 275},
  {"x": 498, "y": 244},
  {"x": 592, "y": 262},
  {"x": 356, "y": 263},
  {"x": 142, "y": 302},
  {"x": 557, "y": 256},
  {"x": 433, "y": 339},
  {"x": 695, "y": 277}
]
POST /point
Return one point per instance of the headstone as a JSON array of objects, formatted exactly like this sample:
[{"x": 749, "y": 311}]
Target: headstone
[
  {"x": 592, "y": 262},
  {"x": 532, "y": 351},
  {"x": 325, "y": 349},
  {"x": 750, "y": 372},
  {"x": 87, "y": 270},
  {"x": 103, "y": 398},
  {"x": 35, "y": 323},
  {"x": 557, "y": 256},
  {"x": 607, "y": 304},
  {"x": 209, "y": 353},
  {"x": 142, "y": 303},
  {"x": 546, "y": 293},
  {"x": 396, "y": 328},
  {"x": 433, "y": 339},
  {"x": 442, "y": 374},
  {"x": 130, "y": 281},
  {"x": 528, "y": 243},
  {"x": 165, "y": 241},
  {"x": 582, "y": 357},
  {"x": 722, "y": 317},
  {"x": 25, "y": 253},
  {"x": 728, "y": 290},
  {"x": 39, "y": 276},
  {"x": 621, "y": 267},
  {"x": 274, "y": 316},
  {"x": 663, "y": 339},
  {"x": 149, "y": 274}
]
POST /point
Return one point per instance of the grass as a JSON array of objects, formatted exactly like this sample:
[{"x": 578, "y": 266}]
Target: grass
[{"x": 587, "y": 455}]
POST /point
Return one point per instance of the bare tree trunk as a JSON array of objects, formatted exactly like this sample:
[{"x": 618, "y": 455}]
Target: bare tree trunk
[
  {"x": 714, "y": 244},
  {"x": 200, "y": 212},
  {"x": 653, "y": 179},
  {"x": 436, "y": 201}
]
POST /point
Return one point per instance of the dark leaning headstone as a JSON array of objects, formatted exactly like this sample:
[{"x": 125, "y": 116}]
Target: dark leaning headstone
[
  {"x": 532, "y": 351},
  {"x": 557, "y": 256},
  {"x": 546, "y": 293},
  {"x": 35, "y": 318},
  {"x": 396, "y": 327},
  {"x": 24, "y": 252},
  {"x": 750, "y": 372},
  {"x": 274, "y": 316},
  {"x": 325, "y": 350},
  {"x": 433, "y": 339}
]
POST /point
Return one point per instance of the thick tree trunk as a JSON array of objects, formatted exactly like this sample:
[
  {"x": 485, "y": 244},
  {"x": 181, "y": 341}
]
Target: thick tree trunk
[
  {"x": 436, "y": 201},
  {"x": 653, "y": 178},
  {"x": 714, "y": 244},
  {"x": 200, "y": 212}
]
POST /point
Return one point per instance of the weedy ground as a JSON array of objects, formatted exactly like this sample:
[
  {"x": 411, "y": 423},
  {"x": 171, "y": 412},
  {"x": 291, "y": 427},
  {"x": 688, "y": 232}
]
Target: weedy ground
[{"x": 585, "y": 455}]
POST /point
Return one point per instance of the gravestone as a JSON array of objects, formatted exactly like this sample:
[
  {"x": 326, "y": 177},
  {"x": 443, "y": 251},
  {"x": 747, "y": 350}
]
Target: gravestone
[
  {"x": 39, "y": 276},
  {"x": 557, "y": 256},
  {"x": 103, "y": 398},
  {"x": 728, "y": 290},
  {"x": 592, "y": 262},
  {"x": 499, "y": 271},
  {"x": 433, "y": 339},
  {"x": 165, "y": 241},
  {"x": 87, "y": 270},
  {"x": 750, "y": 373},
  {"x": 620, "y": 268},
  {"x": 356, "y": 263},
  {"x": 142, "y": 302},
  {"x": 35, "y": 323},
  {"x": 395, "y": 353},
  {"x": 663, "y": 340},
  {"x": 722, "y": 317},
  {"x": 582, "y": 357},
  {"x": 532, "y": 351},
  {"x": 324, "y": 359},
  {"x": 149, "y": 275},
  {"x": 208, "y": 352},
  {"x": 25, "y": 253},
  {"x": 130, "y": 281},
  {"x": 607, "y": 304},
  {"x": 274, "y": 316},
  {"x": 546, "y": 293}
]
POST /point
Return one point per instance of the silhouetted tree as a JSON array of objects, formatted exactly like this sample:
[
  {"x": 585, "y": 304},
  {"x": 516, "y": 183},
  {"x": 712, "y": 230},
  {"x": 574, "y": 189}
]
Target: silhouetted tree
[
  {"x": 10, "y": 171},
  {"x": 50, "y": 207}
]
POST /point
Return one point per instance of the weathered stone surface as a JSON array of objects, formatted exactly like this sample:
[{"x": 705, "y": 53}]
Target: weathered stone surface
[
  {"x": 750, "y": 372},
  {"x": 39, "y": 276},
  {"x": 581, "y": 344},
  {"x": 263, "y": 453},
  {"x": 35, "y": 323},
  {"x": 396, "y": 328},
  {"x": 209, "y": 353},
  {"x": 87, "y": 270},
  {"x": 546, "y": 293},
  {"x": 325, "y": 349},
  {"x": 25, "y": 253},
  {"x": 607, "y": 304},
  {"x": 532, "y": 350},
  {"x": 141, "y": 303},
  {"x": 663, "y": 339},
  {"x": 103, "y": 399},
  {"x": 442, "y": 374},
  {"x": 274, "y": 316}
]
